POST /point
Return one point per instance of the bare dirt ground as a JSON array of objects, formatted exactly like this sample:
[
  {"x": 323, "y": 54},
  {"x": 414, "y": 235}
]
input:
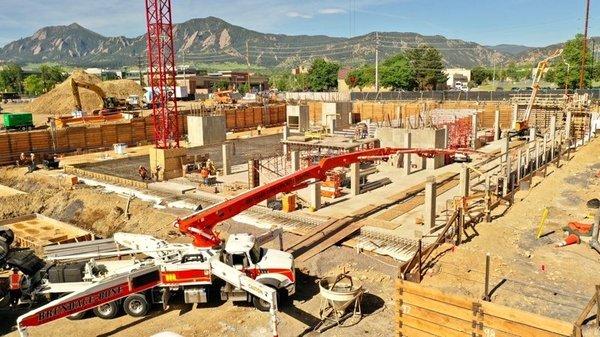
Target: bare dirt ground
[
  {"x": 102, "y": 213},
  {"x": 529, "y": 273}
]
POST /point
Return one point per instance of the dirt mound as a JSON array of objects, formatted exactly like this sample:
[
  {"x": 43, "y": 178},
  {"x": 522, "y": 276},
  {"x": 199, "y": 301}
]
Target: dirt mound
[{"x": 60, "y": 101}]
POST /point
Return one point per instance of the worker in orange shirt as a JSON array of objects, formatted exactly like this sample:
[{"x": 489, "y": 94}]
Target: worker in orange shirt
[{"x": 15, "y": 288}]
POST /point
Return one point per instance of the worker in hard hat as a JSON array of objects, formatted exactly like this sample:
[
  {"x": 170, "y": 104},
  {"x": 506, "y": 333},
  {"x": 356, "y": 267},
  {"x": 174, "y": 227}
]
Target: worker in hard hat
[
  {"x": 143, "y": 172},
  {"x": 15, "y": 288}
]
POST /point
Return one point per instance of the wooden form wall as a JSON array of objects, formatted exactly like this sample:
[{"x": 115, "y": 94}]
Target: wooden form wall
[
  {"x": 79, "y": 138},
  {"x": 253, "y": 116},
  {"x": 385, "y": 111},
  {"x": 428, "y": 312}
]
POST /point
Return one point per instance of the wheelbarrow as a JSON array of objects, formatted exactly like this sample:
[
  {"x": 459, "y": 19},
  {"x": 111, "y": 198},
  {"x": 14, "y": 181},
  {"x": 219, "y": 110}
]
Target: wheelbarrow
[{"x": 338, "y": 295}]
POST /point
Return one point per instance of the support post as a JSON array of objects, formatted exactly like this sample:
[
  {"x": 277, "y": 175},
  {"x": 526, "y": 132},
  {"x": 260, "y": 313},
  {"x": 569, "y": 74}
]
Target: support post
[
  {"x": 464, "y": 181},
  {"x": 552, "y": 136},
  {"x": 515, "y": 112},
  {"x": 545, "y": 150},
  {"x": 486, "y": 295},
  {"x": 446, "y": 135},
  {"x": 505, "y": 148},
  {"x": 226, "y": 147},
  {"x": 355, "y": 179},
  {"x": 532, "y": 132},
  {"x": 407, "y": 157},
  {"x": 507, "y": 184},
  {"x": 519, "y": 165},
  {"x": 430, "y": 203},
  {"x": 315, "y": 195},
  {"x": 497, "y": 125},
  {"x": 286, "y": 131},
  {"x": 568, "y": 125},
  {"x": 295, "y": 161},
  {"x": 474, "y": 131},
  {"x": 488, "y": 199},
  {"x": 537, "y": 155}
]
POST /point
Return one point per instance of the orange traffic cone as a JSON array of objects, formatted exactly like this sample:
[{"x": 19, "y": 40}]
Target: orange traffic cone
[{"x": 569, "y": 240}]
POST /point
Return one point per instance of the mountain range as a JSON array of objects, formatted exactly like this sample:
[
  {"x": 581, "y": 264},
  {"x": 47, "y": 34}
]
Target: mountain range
[{"x": 212, "y": 40}]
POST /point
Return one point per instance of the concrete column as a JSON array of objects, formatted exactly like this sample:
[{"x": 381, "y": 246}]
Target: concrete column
[
  {"x": 532, "y": 132},
  {"x": 515, "y": 113},
  {"x": 505, "y": 148},
  {"x": 226, "y": 147},
  {"x": 552, "y": 136},
  {"x": 464, "y": 181},
  {"x": 545, "y": 150},
  {"x": 527, "y": 159},
  {"x": 568, "y": 125},
  {"x": 286, "y": 149},
  {"x": 295, "y": 161},
  {"x": 474, "y": 131},
  {"x": 446, "y": 134},
  {"x": 430, "y": 199},
  {"x": 332, "y": 126},
  {"x": 286, "y": 132},
  {"x": 519, "y": 164},
  {"x": 497, "y": 125},
  {"x": 430, "y": 164},
  {"x": 537, "y": 155},
  {"x": 407, "y": 157},
  {"x": 315, "y": 194},
  {"x": 507, "y": 176},
  {"x": 355, "y": 179}
]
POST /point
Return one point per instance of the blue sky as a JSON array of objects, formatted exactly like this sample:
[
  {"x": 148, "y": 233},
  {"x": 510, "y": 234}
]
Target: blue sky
[{"x": 529, "y": 22}]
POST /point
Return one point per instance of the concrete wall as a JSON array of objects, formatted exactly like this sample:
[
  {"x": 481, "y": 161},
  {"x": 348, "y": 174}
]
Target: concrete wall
[
  {"x": 297, "y": 118},
  {"x": 341, "y": 112},
  {"x": 318, "y": 96},
  {"x": 206, "y": 130},
  {"x": 420, "y": 138}
]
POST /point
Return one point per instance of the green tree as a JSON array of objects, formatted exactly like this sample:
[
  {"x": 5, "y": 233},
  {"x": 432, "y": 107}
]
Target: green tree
[
  {"x": 11, "y": 77},
  {"x": 323, "y": 75},
  {"x": 480, "y": 74},
  {"x": 397, "y": 73},
  {"x": 565, "y": 69},
  {"x": 221, "y": 85},
  {"x": 244, "y": 88},
  {"x": 428, "y": 66},
  {"x": 280, "y": 81},
  {"x": 361, "y": 77},
  {"x": 33, "y": 85},
  {"x": 51, "y": 75}
]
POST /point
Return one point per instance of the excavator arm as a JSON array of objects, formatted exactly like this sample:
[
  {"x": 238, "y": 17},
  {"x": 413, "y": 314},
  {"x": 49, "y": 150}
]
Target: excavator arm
[
  {"x": 75, "y": 90},
  {"x": 200, "y": 225}
]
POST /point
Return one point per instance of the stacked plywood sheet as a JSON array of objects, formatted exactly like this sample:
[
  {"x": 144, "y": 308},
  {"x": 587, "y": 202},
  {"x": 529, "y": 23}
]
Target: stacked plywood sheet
[{"x": 36, "y": 231}]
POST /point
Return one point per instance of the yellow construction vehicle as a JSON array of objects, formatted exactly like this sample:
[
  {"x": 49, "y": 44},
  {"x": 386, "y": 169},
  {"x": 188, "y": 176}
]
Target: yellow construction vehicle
[
  {"x": 110, "y": 105},
  {"x": 521, "y": 125}
]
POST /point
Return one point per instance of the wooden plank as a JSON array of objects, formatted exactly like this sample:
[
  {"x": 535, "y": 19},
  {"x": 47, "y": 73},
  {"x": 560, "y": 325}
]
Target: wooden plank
[
  {"x": 516, "y": 328},
  {"x": 437, "y": 318},
  {"x": 434, "y": 294},
  {"x": 439, "y": 330},
  {"x": 408, "y": 331},
  {"x": 316, "y": 234},
  {"x": 332, "y": 240},
  {"x": 528, "y": 318},
  {"x": 437, "y": 306}
]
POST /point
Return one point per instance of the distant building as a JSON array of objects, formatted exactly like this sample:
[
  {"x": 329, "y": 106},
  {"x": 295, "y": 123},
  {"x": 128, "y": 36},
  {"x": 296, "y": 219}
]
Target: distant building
[
  {"x": 457, "y": 76},
  {"x": 233, "y": 80},
  {"x": 106, "y": 74},
  {"x": 300, "y": 70}
]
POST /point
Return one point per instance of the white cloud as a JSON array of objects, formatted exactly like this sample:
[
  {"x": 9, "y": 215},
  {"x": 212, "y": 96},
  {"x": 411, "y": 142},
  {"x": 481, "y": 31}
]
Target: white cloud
[
  {"x": 294, "y": 14},
  {"x": 329, "y": 11}
]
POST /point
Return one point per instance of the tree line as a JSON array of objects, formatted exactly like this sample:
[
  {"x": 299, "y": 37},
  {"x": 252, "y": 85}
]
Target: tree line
[{"x": 14, "y": 79}]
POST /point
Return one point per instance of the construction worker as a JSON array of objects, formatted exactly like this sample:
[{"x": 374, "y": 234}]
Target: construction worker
[
  {"x": 22, "y": 161},
  {"x": 143, "y": 172},
  {"x": 32, "y": 166},
  {"x": 259, "y": 129},
  {"x": 15, "y": 288},
  {"x": 595, "y": 205},
  {"x": 204, "y": 173}
]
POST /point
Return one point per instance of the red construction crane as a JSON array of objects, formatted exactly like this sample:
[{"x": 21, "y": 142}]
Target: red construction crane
[
  {"x": 161, "y": 73},
  {"x": 200, "y": 225}
]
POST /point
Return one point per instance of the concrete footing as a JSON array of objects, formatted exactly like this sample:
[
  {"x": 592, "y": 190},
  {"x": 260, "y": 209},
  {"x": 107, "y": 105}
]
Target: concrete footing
[
  {"x": 167, "y": 164},
  {"x": 206, "y": 130}
]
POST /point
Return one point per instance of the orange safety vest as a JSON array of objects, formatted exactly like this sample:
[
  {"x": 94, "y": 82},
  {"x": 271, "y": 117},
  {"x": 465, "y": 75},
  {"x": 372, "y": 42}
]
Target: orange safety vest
[{"x": 15, "y": 282}]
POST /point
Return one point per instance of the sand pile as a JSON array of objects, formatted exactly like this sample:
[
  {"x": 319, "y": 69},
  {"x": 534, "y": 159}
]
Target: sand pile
[{"x": 60, "y": 101}]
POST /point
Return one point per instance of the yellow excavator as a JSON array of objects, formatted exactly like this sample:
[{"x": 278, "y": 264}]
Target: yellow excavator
[
  {"x": 110, "y": 105},
  {"x": 521, "y": 126}
]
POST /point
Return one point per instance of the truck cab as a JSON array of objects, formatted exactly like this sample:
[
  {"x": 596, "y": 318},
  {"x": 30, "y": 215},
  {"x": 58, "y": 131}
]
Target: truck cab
[{"x": 271, "y": 267}]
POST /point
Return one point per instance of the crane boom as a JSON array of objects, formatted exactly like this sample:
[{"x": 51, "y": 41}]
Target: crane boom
[{"x": 200, "y": 225}]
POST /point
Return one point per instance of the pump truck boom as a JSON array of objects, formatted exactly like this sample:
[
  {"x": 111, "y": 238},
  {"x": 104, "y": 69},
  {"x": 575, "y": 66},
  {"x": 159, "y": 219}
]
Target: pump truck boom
[
  {"x": 249, "y": 271},
  {"x": 522, "y": 125}
]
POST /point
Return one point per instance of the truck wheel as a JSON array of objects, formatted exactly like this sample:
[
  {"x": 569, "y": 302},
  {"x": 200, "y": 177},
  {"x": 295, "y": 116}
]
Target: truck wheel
[
  {"x": 107, "y": 311},
  {"x": 77, "y": 316},
  {"x": 3, "y": 250},
  {"x": 8, "y": 235},
  {"x": 263, "y": 305},
  {"x": 136, "y": 305}
]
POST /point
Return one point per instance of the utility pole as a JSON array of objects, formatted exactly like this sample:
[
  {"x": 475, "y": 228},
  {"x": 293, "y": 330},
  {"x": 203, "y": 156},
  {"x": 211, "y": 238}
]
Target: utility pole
[
  {"x": 377, "y": 61},
  {"x": 248, "y": 65},
  {"x": 585, "y": 45},
  {"x": 140, "y": 70},
  {"x": 494, "y": 74}
]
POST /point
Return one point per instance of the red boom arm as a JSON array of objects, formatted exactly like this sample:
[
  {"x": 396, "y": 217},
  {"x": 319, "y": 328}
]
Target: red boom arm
[{"x": 200, "y": 225}]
